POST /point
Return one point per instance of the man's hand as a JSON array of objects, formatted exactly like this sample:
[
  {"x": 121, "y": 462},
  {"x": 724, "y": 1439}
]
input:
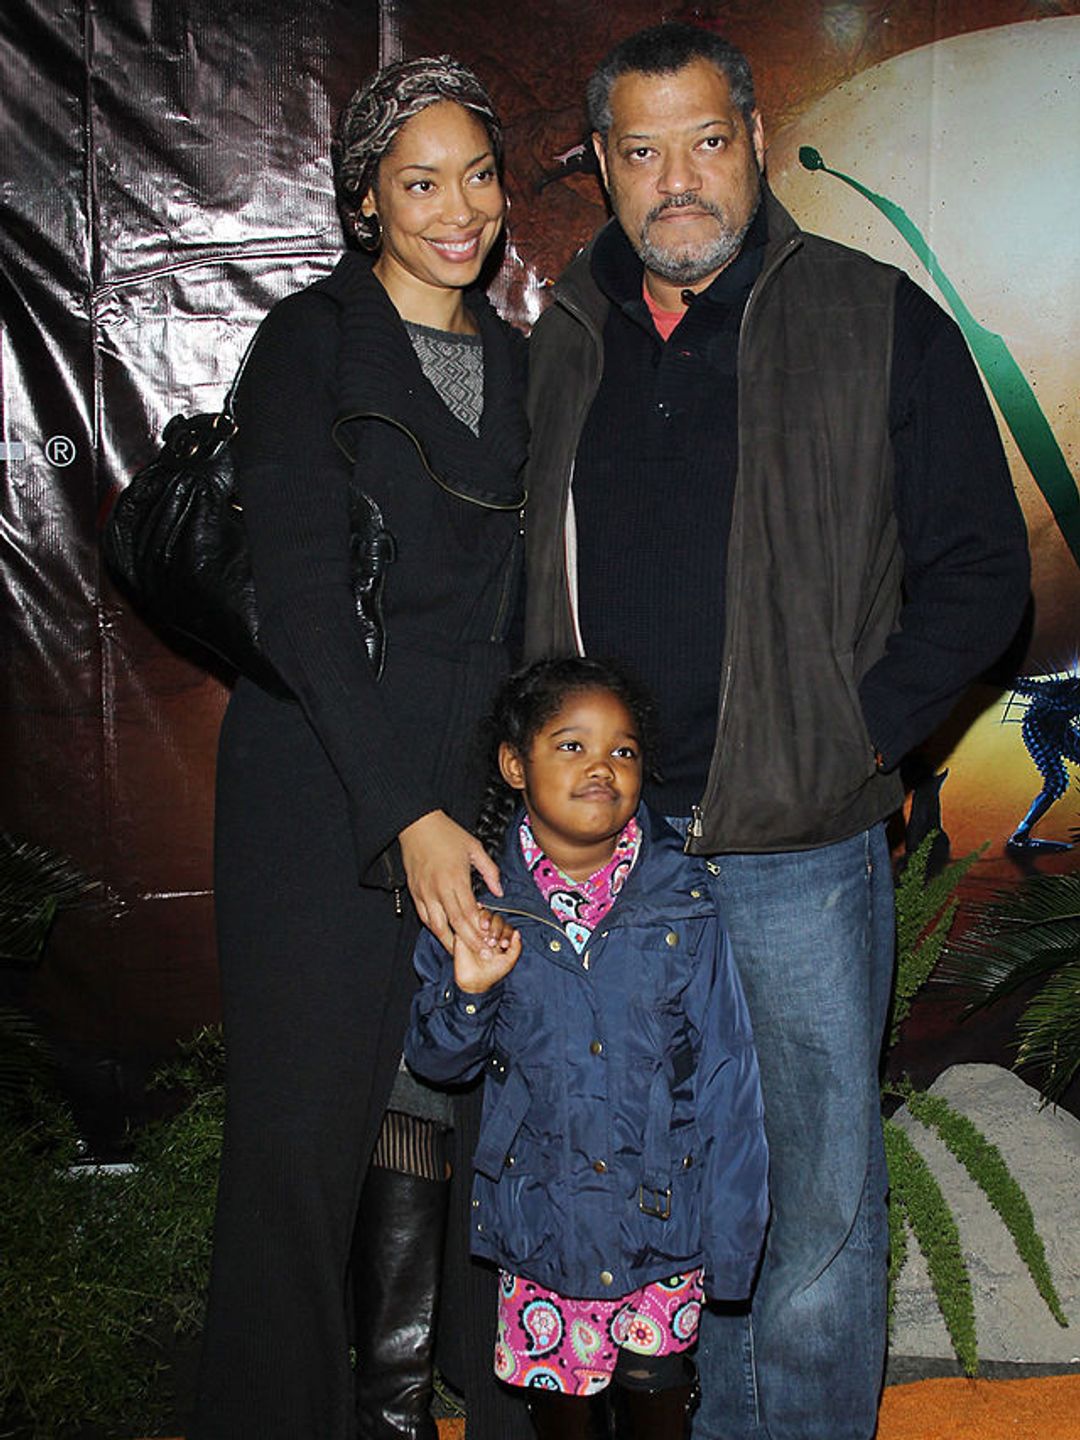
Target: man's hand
[
  {"x": 439, "y": 859},
  {"x": 476, "y": 971}
]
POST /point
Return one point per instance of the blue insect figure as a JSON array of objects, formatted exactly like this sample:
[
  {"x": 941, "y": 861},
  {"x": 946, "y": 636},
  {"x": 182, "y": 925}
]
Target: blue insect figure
[{"x": 1050, "y": 730}]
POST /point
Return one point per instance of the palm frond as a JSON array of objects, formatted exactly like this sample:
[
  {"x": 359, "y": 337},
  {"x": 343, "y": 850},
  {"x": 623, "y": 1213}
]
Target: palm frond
[
  {"x": 35, "y": 884},
  {"x": 1049, "y": 1031},
  {"x": 1036, "y": 900},
  {"x": 993, "y": 974},
  {"x": 1029, "y": 937},
  {"x": 24, "y": 1058},
  {"x": 1022, "y": 935}
]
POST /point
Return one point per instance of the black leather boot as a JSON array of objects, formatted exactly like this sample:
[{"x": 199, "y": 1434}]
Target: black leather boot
[
  {"x": 569, "y": 1417},
  {"x": 396, "y": 1261},
  {"x": 651, "y": 1414}
]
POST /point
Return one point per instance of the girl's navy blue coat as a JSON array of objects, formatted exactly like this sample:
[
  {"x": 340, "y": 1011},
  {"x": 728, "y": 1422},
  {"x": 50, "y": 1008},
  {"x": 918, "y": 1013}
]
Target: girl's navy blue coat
[{"x": 622, "y": 1137}]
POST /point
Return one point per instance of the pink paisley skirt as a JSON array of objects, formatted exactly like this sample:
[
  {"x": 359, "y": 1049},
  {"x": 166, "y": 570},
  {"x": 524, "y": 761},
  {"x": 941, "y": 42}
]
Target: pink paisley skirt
[{"x": 549, "y": 1341}]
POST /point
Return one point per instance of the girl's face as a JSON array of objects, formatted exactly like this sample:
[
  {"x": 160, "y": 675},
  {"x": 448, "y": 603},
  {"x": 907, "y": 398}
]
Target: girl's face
[
  {"x": 581, "y": 779},
  {"x": 439, "y": 202}
]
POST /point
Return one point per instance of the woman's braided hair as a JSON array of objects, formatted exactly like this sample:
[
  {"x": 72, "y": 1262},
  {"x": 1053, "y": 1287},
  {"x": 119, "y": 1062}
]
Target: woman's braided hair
[
  {"x": 524, "y": 704},
  {"x": 369, "y": 124}
]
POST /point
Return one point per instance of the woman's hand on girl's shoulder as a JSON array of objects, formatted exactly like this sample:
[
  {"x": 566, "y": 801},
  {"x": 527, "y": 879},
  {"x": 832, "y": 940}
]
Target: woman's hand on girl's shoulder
[
  {"x": 440, "y": 856},
  {"x": 477, "y": 970}
]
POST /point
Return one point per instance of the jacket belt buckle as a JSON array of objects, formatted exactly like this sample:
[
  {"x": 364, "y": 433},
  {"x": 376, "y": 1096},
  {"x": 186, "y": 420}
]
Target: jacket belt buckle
[{"x": 658, "y": 1202}]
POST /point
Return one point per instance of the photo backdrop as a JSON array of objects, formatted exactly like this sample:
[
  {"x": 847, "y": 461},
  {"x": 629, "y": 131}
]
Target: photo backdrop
[{"x": 164, "y": 177}]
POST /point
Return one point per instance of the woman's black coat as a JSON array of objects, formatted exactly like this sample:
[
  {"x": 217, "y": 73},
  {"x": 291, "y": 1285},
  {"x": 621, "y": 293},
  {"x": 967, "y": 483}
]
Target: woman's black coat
[{"x": 315, "y": 958}]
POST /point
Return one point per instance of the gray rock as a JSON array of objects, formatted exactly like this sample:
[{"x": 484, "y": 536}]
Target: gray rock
[{"x": 1042, "y": 1149}]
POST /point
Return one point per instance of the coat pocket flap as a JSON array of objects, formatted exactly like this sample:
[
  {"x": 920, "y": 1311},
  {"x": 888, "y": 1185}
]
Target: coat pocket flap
[{"x": 502, "y": 1125}]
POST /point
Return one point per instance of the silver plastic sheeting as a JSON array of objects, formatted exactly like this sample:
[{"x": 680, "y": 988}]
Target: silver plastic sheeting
[{"x": 165, "y": 177}]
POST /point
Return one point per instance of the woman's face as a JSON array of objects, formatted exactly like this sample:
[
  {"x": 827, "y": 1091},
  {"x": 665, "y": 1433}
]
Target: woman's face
[{"x": 439, "y": 201}]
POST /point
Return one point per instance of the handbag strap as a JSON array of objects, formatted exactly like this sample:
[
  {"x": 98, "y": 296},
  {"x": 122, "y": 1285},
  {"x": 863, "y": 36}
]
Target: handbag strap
[{"x": 365, "y": 516}]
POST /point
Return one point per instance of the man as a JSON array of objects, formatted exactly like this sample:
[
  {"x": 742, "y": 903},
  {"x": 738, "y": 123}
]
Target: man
[{"x": 790, "y": 512}]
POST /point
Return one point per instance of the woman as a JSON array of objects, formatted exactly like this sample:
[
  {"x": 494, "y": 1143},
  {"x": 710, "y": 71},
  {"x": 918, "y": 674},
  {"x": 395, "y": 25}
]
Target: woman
[{"x": 393, "y": 377}]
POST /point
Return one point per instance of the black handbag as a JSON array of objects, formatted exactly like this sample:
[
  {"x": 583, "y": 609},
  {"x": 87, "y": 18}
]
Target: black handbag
[{"x": 176, "y": 542}]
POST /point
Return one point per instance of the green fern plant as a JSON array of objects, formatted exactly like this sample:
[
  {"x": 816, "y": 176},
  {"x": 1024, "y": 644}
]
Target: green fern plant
[
  {"x": 1030, "y": 936},
  {"x": 916, "y": 1199},
  {"x": 35, "y": 885},
  {"x": 925, "y": 910},
  {"x": 985, "y": 1163}
]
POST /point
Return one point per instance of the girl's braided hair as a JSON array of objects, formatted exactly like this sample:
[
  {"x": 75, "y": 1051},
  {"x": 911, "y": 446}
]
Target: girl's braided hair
[{"x": 524, "y": 704}]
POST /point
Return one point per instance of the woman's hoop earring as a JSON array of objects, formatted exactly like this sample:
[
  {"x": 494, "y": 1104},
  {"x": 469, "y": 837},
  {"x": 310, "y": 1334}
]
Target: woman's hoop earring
[{"x": 368, "y": 231}]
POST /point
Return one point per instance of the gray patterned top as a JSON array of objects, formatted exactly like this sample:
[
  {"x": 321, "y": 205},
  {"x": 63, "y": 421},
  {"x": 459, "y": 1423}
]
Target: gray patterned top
[{"x": 455, "y": 366}]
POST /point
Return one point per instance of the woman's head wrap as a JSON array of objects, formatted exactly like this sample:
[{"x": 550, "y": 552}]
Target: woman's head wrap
[{"x": 369, "y": 124}]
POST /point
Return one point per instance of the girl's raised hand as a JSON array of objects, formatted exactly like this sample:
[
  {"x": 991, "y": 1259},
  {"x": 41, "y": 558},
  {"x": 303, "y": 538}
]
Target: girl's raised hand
[{"x": 477, "y": 969}]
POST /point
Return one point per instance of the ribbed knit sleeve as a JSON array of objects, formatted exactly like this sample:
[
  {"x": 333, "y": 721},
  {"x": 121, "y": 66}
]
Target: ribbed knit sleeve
[
  {"x": 966, "y": 571},
  {"x": 294, "y": 490}
]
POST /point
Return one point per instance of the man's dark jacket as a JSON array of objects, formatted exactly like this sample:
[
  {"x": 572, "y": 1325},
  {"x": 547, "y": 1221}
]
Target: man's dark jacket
[{"x": 815, "y": 567}]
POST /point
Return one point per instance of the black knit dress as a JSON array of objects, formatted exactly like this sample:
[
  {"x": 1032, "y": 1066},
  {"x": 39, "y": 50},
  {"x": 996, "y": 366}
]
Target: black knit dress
[{"x": 315, "y": 957}]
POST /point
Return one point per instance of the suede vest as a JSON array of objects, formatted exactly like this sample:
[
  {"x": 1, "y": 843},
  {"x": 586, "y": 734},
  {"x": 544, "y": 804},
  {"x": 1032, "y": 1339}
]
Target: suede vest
[{"x": 814, "y": 561}]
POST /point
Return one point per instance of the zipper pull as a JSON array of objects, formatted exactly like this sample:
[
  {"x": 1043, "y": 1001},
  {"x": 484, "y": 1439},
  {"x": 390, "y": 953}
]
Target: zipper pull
[
  {"x": 697, "y": 824},
  {"x": 399, "y": 908}
]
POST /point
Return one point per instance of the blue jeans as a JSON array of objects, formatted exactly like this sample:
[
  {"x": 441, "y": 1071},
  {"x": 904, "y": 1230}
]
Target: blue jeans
[{"x": 813, "y": 933}]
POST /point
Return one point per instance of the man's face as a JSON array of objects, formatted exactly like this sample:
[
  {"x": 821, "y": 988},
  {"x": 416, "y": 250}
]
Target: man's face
[{"x": 682, "y": 169}]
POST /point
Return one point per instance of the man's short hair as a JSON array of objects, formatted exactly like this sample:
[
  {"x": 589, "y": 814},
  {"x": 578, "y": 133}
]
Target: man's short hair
[{"x": 660, "y": 50}]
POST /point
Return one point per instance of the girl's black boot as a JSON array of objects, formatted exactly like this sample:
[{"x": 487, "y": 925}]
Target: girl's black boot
[{"x": 569, "y": 1417}]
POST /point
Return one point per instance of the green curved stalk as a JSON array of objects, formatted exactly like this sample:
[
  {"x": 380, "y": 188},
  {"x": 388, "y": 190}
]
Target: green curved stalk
[
  {"x": 914, "y": 1188},
  {"x": 985, "y": 1163},
  {"x": 1008, "y": 384},
  {"x": 898, "y": 1252},
  {"x": 924, "y": 914}
]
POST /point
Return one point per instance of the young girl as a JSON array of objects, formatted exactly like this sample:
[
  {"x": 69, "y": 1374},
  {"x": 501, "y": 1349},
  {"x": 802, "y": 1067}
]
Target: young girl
[{"x": 621, "y": 1169}]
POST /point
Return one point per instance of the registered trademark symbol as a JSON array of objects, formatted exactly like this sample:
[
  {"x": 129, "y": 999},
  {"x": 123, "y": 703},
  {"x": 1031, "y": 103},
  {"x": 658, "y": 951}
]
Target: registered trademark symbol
[{"x": 59, "y": 450}]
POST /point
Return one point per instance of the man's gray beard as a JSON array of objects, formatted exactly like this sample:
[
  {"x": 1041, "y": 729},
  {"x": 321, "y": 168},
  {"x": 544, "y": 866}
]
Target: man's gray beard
[{"x": 683, "y": 267}]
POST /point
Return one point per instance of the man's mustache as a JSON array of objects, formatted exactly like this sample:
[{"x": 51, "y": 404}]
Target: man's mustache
[{"x": 689, "y": 198}]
